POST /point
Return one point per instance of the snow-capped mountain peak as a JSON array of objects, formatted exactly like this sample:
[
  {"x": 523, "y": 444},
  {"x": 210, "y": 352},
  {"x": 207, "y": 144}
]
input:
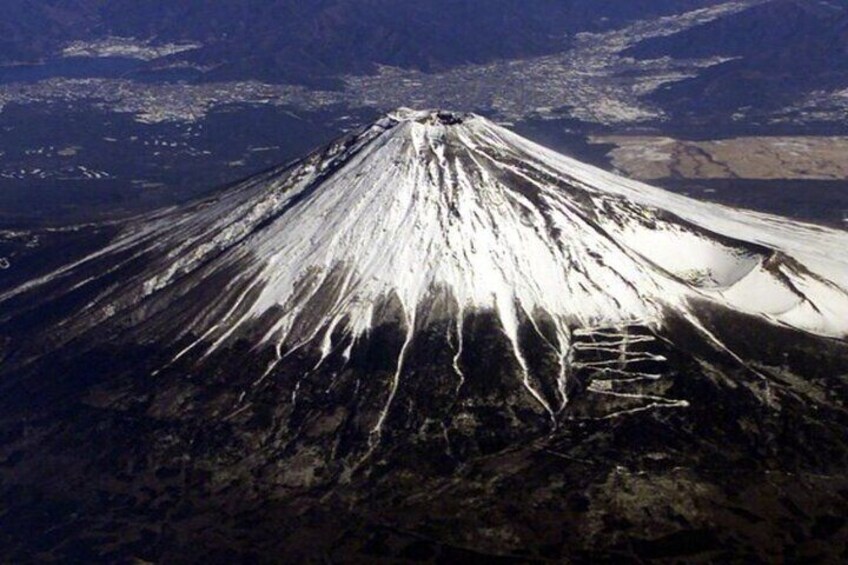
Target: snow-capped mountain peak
[{"x": 439, "y": 214}]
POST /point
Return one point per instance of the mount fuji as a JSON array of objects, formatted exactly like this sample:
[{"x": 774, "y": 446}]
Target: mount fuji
[{"x": 431, "y": 339}]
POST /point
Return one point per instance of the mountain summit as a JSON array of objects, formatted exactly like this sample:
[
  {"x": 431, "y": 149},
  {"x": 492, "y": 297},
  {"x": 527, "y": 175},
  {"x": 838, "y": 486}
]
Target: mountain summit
[{"x": 422, "y": 295}]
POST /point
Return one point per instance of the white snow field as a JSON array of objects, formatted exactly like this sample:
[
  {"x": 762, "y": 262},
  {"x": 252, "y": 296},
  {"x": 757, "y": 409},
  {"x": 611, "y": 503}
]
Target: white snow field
[{"x": 423, "y": 202}]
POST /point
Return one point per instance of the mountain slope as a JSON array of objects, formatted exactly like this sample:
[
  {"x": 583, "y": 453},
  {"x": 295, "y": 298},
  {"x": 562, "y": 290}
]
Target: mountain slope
[
  {"x": 780, "y": 52},
  {"x": 287, "y": 41},
  {"x": 432, "y": 304},
  {"x": 420, "y": 202}
]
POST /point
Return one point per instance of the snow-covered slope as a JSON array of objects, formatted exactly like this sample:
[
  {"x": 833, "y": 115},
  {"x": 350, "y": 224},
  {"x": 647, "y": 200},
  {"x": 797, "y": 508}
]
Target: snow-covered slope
[{"x": 423, "y": 205}]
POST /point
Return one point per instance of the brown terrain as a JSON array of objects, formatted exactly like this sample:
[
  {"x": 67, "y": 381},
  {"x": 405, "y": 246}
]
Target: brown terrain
[{"x": 761, "y": 158}]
